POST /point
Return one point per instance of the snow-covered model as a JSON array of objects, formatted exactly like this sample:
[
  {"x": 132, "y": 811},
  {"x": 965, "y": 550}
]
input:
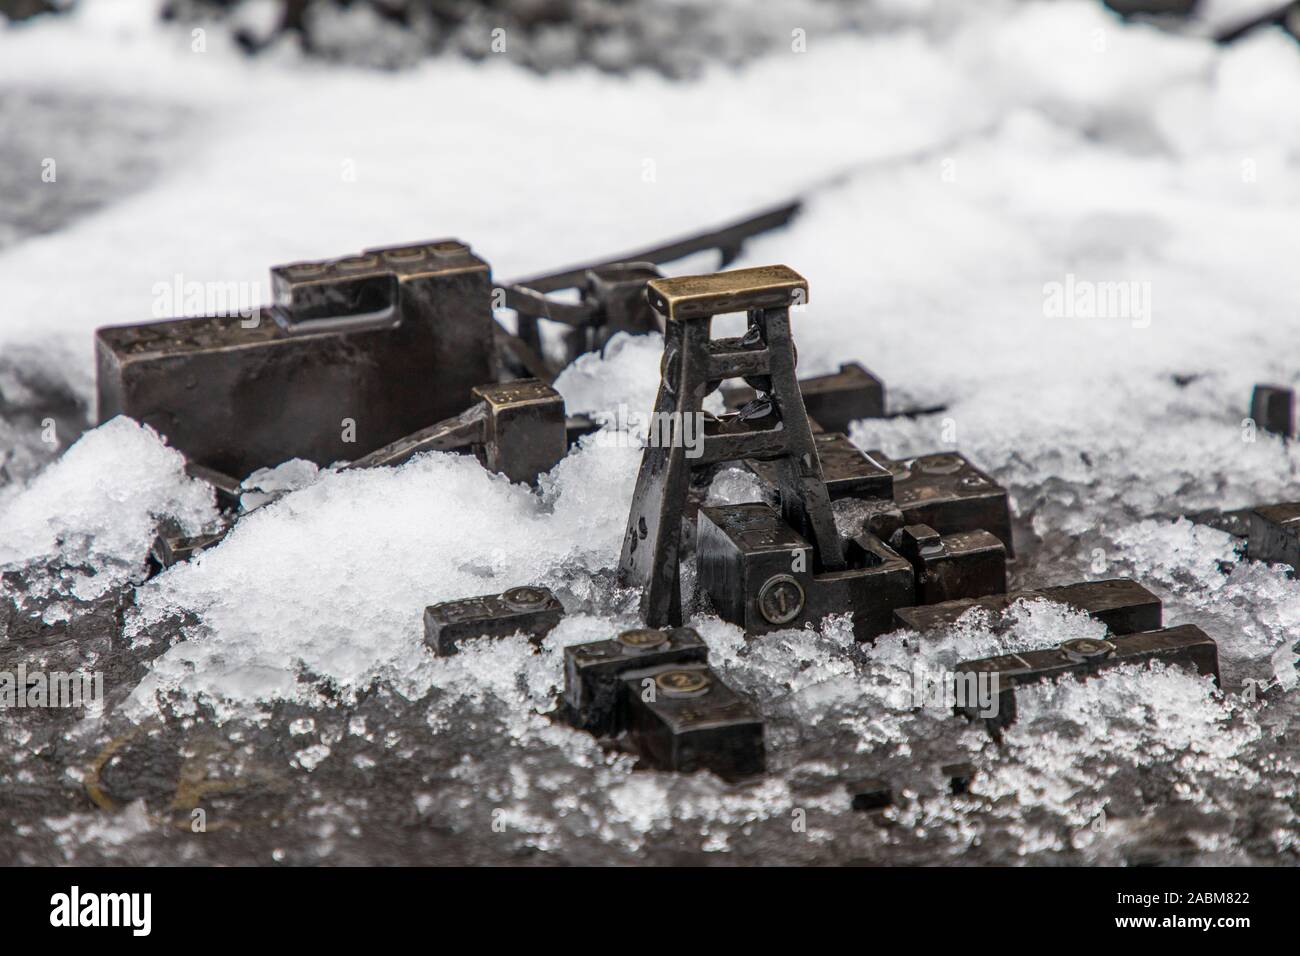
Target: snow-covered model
[{"x": 931, "y": 530}]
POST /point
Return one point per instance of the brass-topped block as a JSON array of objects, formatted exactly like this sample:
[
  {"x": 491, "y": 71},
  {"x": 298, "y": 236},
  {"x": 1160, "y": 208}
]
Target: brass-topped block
[
  {"x": 351, "y": 292},
  {"x": 354, "y": 353},
  {"x": 695, "y": 297},
  {"x": 516, "y": 429}
]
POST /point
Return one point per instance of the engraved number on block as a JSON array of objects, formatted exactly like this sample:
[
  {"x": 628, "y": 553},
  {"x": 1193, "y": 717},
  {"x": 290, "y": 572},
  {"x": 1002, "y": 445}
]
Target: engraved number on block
[
  {"x": 781, "y": 599},
  {"x": 683, "y": 683}
]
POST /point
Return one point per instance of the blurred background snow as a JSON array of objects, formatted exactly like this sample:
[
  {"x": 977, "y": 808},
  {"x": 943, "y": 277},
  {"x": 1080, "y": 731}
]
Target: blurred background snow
[{"x": 956, "y": 160}]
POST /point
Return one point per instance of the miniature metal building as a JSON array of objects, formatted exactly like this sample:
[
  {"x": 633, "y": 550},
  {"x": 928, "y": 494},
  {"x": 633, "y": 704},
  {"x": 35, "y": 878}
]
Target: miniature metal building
[
  {"x": 391, "y": 340},
  {"x": 776, "y": 429}
]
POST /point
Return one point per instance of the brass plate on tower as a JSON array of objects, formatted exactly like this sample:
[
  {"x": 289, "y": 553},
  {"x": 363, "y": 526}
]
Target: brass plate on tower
[{"x": 694, "y": 297}]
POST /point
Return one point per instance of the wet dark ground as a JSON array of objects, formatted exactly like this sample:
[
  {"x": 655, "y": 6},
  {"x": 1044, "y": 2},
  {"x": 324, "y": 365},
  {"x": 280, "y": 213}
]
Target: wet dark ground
[{"x": 186, "y": 788}]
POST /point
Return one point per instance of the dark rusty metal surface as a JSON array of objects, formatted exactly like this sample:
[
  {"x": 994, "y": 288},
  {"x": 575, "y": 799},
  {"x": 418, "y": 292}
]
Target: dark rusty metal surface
[
  {"x": 238, "y": 393},
  {"x": 869, "y": 793},
  {"x": 964, "y": 564},
  {"x": 458, "y": 433},
  {"x": 877, "y": 581},
  {"x": 533, "y": 611},
  {"x": 1235, "y": 522},
  {"x": 1275, "y": 534},
  {"x": 757, "y": 573},
  {"x": 593, "y": 673},
  {"x": 683, "y": 717},
  {"x": 1124, "y": 606},
  {"x": 612, "y": 301},
  {"x": 525, "y": 432},
  {"x": 1186, "y": 645},
  {"x": 515, "y": 428},
  {"x": 833, "y": 401},
  {"x": 847, "y": 471},
  {"x": 171, "y": 547},
  {"x": 948, "y": 493},
  {"x": 612, "y": 290},
  {"x": 739, "y": 550},
  {"x": 1272, "y": 408}
]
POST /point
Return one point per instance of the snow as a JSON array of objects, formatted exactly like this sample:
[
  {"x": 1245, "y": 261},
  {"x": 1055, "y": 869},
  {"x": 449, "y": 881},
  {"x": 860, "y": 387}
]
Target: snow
[
  {"x": 266, "y": 484},
  {"x": 956, "y": 167},
  {"x": 97, "y": 508},
  {"x": 302, "y": 581}
]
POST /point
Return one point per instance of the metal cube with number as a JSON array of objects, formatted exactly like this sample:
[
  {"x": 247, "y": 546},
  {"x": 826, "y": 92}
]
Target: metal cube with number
[
  {"x": 593, "y": 673},
  {"x": 755, "y": 568},
  {"x": 684, "y": 718}
]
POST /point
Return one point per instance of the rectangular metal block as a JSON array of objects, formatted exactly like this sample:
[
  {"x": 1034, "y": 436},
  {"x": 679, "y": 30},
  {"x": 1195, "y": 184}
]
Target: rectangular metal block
[
  {"x": 239, "y": 393},
  {"x": 1124, "y": 606},
  {"x": 524, "y": 431},
  {"x": 959, "y": 776},
  {"x": 876, "y": 584},
  {"x": 1185, "y": 645},
  {"x": 836, "y": 400},
  {"x": 1275, "y": 534},
  {"x": 965, "y": 564},
  {"x": 532, "y": 610},
  {"x": 618, "y": 293},
  {"x": 948, "y": 493},
  {"x": 755, "y": 568},
  {"x": 594, "y": 672},
  {"x": 684, "y": 718},
  {"x": 847, "y": 470},
  {"x": 1273, "y": 409}
]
